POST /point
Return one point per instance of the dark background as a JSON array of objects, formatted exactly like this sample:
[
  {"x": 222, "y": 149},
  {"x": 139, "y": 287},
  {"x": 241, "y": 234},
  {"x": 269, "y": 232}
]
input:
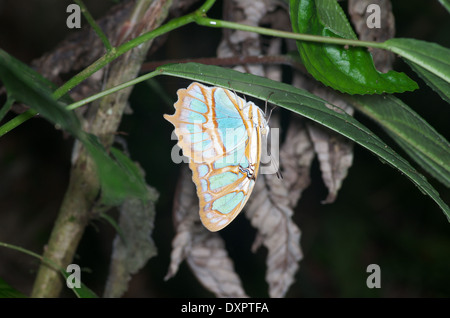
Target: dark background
[{"x": 379, "y": 216}]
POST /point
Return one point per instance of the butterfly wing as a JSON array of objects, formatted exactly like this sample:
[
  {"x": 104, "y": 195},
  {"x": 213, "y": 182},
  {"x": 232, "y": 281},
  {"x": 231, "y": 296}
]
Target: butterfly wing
[{"x": 216, "y": 129}]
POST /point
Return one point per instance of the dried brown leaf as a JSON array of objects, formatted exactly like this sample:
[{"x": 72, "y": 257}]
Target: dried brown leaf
[
  {"x": 240, "y": 43},
  {"x": 357, "y": 9},
  {"x": 204, "y": 251},
  {"x": 134, "y": 247},
  {"x": 296, "y": 155},
  {"x": 270, "y": 212},
  {"x": 335, "y": 152},
  {"x": 82, "y": 48}
]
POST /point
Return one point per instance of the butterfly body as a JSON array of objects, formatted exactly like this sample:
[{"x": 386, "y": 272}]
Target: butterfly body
[{"x": 222, "y": 136}]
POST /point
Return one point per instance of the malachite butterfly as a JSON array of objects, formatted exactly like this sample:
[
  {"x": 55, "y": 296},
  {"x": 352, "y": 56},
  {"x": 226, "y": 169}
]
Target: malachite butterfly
[{"x": 222, "y": 136}]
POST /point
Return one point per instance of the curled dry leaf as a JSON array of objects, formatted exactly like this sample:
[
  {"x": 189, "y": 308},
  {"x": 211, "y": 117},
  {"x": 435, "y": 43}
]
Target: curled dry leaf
[
  {"x": 204, "y": 251},
  {"x": 237, "y": 43},
  {"x": 296, "y": 155},
  {"x": 357, "y": 9},
  {"x": 335, "y": 152},
  {"x": 82, "y": 48},
  {"x": 269, "y": 212},
  {"x": 134, "y": 247}
]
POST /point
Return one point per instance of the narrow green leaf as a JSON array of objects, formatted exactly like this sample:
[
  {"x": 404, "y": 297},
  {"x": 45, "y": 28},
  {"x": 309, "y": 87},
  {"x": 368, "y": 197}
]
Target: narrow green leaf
[
  {"x": 97, "y": 29},
  {"x": 83, "y": 291},
  {"x": 6, "y": 291},
  {"x": 435, "y": 82},
  {"x": 29, "y": 76},
  {"x": 114, "y": 224},
  {"x": 6, "y": 107},
  {"x": 419, "y": 140},
  {"x": 349, "y": 70},
  {"x": 117, "y": 182},
  {"x": 446, "y": 4},
  {"x": 430, "y": 60},
  {"x": 25, "y": 85},
  {"x": 131, "y": 168},
  {"x": 307, "y": 105},
  {"x": 134, "y": 180}
]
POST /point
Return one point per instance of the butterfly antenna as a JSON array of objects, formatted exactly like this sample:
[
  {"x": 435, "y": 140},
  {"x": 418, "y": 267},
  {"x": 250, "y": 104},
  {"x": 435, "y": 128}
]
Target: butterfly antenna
[
  {"x": 270, "y": 114},
  {"x": 279, "y": 175},
  {"x": 235, "y": 95},
  {"x": 277, "y": 167},
  {"x": 265, "y": 108}
]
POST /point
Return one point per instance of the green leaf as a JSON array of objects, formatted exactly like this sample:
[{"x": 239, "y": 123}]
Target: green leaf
[
  {"x": 307, "y": 105},
  {"x": 83, "y": 291},
  {"x": 419, "y": 140},
  {"x": 25, "y": 85},
  {"x": 446, "y": 4},
  {"x": 132, "y": 170},
  {"x": 6, "y": 107},
  {"x": 349, "y": 70},
  {"x": 123, "y": 178},
  {"x": 114, "y": 224},
  {"x": 435, "y": 82},
  {"x": 430, "y": 60},
  {"x": 6, "y": 291},
  {"x": 117, "y": 182},
  {"x": 333, "y": 17}
]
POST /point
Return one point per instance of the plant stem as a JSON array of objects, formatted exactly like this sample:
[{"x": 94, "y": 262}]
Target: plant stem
[
  {"x": 6, "y": 107},
  {"x": 111, "y": 90},
  {"x": 94, "y": 25},
  {"x": 205, "y": 21},
  {"x": 16, "y": 121},
  {"x": 21, "y": 249},
  {"x": 206, "y": 6}
]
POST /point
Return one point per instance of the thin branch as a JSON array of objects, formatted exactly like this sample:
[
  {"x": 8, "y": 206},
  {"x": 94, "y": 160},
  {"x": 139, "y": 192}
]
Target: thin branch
[
  {"x": 111, "y": 90},
  {"x": 214, "y": 23},
  {"x": 94, "y": 25}
]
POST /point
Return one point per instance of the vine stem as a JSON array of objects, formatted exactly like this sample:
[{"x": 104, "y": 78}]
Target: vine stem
[
  {"x": 94, "y": 25},
  {"x": 23, "y": 250},
  {"x": 111, "y": 90},
  {"x": 205, "y": 21}
]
